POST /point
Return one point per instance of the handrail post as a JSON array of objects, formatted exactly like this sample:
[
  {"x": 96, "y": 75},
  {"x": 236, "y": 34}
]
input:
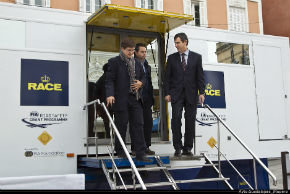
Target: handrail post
[
  {"x": 219, "y": 147},
  {"x": 95, "y": 129},
  {"x": 255, "y": 173},
  {"x": 87, "y": 131},
  {"x": 134, "y": 179}
]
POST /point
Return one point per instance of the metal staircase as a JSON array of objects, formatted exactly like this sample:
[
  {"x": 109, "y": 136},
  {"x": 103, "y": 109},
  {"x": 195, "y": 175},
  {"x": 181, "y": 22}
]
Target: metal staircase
[
  {"x": 159, "y": 166},
  {"x": 114, "y": 173}
]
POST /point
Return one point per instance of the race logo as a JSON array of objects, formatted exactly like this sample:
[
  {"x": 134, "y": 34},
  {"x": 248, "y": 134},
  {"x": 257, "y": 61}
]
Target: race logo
[
  {"x": 43, "y": 120},
  {"x": 44, "y": 83},
  {"x": 214, "y": 89}
]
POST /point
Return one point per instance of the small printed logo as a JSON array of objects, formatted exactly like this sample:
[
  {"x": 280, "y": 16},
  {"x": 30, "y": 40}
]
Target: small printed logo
[
  {"x": 43, "y": 120},
  {"x": 205, "y": 119},
  {"x": 208, "y": 86},
  {"x": 28, "y": 154},
  {"x": 211, "y": 142},
  {"x": 45, "y": 79},
  {"x": 36, "y": 153},
  {"x": 44, "y": 138}
]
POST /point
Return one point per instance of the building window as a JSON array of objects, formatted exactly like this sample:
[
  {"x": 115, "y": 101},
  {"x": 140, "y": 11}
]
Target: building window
[
  {"x": 143, "y": 4},
  {"x": 98, "y": 4},
  {"x": 196, "y": 8},
  {"x": 38, "y": 3},
  {"x": 238, "y": 20},
  {"x": 26, "y": 2},
  {"x": 91, "y": 6},
  {"x": 88, "y": 6},
  {"x": 149, "y": 4}
]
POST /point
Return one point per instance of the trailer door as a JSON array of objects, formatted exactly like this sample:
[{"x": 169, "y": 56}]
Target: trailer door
[{"x": 270, "y": 91}]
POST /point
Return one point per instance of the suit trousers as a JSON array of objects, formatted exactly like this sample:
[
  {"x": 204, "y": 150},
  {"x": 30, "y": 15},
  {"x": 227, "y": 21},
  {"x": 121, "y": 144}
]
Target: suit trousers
[
  {"x": 148, "y": 124},
  {"x": 134, "y": 114},
  {"x": 189, "y": 116}
]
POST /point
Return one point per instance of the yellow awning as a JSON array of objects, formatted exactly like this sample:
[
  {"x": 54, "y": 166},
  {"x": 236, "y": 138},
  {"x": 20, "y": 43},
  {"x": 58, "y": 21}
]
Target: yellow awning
[{"x": 115, "y": 16}]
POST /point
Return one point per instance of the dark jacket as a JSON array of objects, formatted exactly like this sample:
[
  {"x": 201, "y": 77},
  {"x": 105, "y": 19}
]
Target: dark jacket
[
  {"x": 100, "y": 88},
  {"x": 191, "y": 80},
  {"x": 147, "y": 89},
  {"x": 118, "y": 81}
]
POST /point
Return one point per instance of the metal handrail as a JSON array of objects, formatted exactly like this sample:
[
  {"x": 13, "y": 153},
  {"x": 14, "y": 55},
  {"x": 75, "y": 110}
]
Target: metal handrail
[
  {"x": 218, "y": 171},
  {"x": 95, "y": 116},
  {"x": 243, "y": 144},
  {"x": 236, "y": 170},
  {"x": 120, "y": 140},
  {"x": 124, "y": 147}
]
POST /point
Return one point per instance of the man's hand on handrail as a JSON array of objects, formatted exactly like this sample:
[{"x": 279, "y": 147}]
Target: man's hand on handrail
[
  {"x": 110, "y": 101},
  {"x": 201, "y": 99}
]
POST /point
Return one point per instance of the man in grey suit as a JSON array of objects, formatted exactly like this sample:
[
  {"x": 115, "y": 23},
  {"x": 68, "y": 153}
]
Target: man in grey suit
[{"x": 184, "y": 83}]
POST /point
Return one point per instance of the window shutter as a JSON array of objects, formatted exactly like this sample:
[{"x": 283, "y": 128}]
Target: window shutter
[
  {"x": 106, "y": 2},
  {"x": 159, "y": 5},
  {"x": 237, "y": 19},
  {"x": 138, "y": 3},
  {"x": 187, "y": 7},
  {"x": 47, "y": 3},
  {"x": 202, "y": 13},
  {"x": 81, "y": 6}
]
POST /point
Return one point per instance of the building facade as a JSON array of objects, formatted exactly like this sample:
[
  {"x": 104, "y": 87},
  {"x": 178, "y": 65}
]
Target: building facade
[
  {"x": 276, "y": 17},
  {"x": 233, "y": 15}
]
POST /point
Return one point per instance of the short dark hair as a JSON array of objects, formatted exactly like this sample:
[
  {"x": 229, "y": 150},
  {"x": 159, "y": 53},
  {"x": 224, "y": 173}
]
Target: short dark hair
[
  {"x": 127, "y": 43},
  {"x": 182, "y": 36},
  {"x": 138, "y": 45}
]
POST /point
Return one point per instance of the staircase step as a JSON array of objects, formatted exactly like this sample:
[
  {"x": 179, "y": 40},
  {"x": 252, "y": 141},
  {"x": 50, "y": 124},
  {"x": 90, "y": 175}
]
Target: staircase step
[
  {"x": 184, "y": 157},
  {"x": 146, "y": 184},
  {"x": 186, "y": 167},
  {"x": 95, "y": 162},
  {"x": 161, "y": 168},
  {"x": 202, "y": 180},
  {"x": 176, "y": 181},
  {"x": 140, "y": 169}
]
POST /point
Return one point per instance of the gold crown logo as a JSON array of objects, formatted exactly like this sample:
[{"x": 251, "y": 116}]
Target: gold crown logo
[
  {"x": 45, "y": 78},
  {"x": 208, "y": 86}
]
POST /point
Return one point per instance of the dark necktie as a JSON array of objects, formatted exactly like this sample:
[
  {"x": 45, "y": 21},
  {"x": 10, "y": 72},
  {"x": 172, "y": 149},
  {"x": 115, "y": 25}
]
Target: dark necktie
[{"x": 183, "y": 63}]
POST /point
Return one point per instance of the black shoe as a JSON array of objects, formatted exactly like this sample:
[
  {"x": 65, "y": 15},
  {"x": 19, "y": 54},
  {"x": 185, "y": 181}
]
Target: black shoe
[
  {"x": 177, "y": 153},
  {"x": 122, "y": 155},
  {"x": 149, "y": 152},
  {"x": 143, "y": 159},
  {"x": 187, "y": 153},
  {"x": 133, "y": 153}
]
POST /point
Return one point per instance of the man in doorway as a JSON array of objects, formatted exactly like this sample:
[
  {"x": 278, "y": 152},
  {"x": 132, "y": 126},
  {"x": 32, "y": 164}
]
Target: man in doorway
[
  {"x": 184, "y": 78},
  {"x": 148, "y": 98},
  {"x": 124, "y": 78}
]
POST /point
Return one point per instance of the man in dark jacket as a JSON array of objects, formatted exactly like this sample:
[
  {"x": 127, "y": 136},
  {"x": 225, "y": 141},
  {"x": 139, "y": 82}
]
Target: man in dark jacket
[
  {"x": 148, "y": 98},
  {"x": 124, "y": 79},
  {"x": 101, "y": 95},
  {"x": 183, "y": 80}
]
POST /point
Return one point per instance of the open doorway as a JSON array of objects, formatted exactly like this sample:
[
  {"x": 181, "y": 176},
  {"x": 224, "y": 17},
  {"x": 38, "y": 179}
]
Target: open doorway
[{"x": 103, "y": 44}]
